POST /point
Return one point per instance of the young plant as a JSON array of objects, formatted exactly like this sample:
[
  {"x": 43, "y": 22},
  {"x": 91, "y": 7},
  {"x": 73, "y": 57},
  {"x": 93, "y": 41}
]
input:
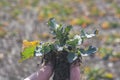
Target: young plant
[{"x": 63, "y": 51}]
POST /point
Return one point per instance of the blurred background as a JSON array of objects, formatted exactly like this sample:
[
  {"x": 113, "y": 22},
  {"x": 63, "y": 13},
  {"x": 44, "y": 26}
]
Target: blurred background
[{"x": 27, "y": 20}]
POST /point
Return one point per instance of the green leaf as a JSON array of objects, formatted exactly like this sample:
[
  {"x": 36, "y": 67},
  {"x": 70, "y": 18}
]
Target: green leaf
[
  {"x": 61, "y": 36},
  {"x": 66, "y": 33},
  {"x": 27, "y": 53},
  {"x": 59, "y": 32},
  {"x": 53, "y": 24},
  {"x": 91, "y": 50},
  {"x": 71, "y": 57},
  {"x": 86, "y": 35},
  {"x": 72, "y": 42},
  {"x": 82, "y": 51},
  {"x": 28, "y": 49},
  {"x": 43, "y": 49},
  {"x": 78, "y": 51},
  {"x": 46, "y": 48},
  {"x": 37, "y": 51},
  {"x": 67, "y": 29},
  {"x": 82, "y": 33},
  {"x": 52, "y": 46}
]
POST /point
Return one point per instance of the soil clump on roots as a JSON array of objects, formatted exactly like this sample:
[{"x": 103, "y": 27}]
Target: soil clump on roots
[{"x": 61, "y": 66}]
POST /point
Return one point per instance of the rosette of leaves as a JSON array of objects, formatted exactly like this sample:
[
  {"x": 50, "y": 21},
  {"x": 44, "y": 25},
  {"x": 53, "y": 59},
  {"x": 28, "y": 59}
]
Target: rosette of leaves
[
  {"x": 64, "y": 50},
  {"x": 64, "y": 43}
]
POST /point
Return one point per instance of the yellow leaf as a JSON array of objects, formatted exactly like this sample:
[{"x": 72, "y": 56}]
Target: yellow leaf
[
  {"x": 108, "y": 75},
  {"x": 27, "y": 43}
]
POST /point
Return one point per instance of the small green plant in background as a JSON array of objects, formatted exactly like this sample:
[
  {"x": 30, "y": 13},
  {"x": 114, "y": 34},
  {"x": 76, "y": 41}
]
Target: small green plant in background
[{"x": 97, "y": 74}]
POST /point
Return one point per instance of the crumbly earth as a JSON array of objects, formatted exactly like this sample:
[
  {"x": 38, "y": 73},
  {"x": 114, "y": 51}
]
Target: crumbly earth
[{"x": 61, "y": 66}]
